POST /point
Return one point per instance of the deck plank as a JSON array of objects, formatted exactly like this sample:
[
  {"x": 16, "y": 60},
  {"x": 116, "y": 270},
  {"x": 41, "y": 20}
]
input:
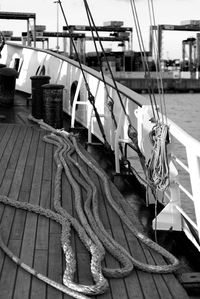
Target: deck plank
[
  {"x": 7, "y": 281},
  {"x": 16, "y": 164},
  {"x": 152, "y": 285},
  {"x": 109, "y": 261},
  {"x": 117, "y": 286},
  {"x": 38, "y": 288},
  {"x": 54, "y": 251},
  {"x": 119, "y": 236},
  {"x": 112, "y": 223},
  {"x": 5, "y": 136},
  {"x": 6, "y": 182},
  {"x": 20, "y": 216},
  {"x": 172, "y": 284},
  {"x": 27, "y": 248},
  {"x": 28, "y": 173}
]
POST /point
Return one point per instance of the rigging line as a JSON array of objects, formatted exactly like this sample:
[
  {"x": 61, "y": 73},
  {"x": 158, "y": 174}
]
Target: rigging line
[
  {"x": 74, "y": 46},
  {"x": 164, "y": 110},
  {"x": 144, "y": 58},
  {"x": 110, "y": 105},
  {"x": 90, "y": 96},
  {"x": 140, "y": 40},
  {"x": 155, "y": 48},
  {"x": 160, "y": 170},
  {"x": 157, "y": 59},
  {"x": 110, "y": 101},
  {"x": 142, "y": 48},
  {"x": 111, "y": 73},
  {"x": 158, "y": 68}
]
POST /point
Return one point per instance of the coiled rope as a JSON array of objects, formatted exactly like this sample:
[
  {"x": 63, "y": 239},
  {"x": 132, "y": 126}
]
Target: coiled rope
[
  {"x": 148, "y": 268},
  {"x": 144, "y": 239},
  {"x": 91, "y": 210},
  {"x": 97, "y": 253},
  {"x": 157, "y": 166},
  {"x": 89, "y": 228}
]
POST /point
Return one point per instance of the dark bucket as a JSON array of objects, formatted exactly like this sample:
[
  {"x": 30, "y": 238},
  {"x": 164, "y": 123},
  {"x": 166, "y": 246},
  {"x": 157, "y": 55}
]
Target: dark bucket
[
  {"x": 37, "y": 95},
  {"x": 7, "y": 86},
  {"x": 53, "y": 105}
]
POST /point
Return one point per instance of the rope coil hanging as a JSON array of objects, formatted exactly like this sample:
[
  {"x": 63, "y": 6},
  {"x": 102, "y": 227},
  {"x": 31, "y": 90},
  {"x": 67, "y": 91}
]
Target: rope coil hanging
[{"x": 157, "y": 166}]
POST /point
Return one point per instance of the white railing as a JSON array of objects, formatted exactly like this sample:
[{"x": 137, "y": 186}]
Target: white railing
[
  {"x": 189, "y": 179},
  {"x": 182, "y": 198},
  {"x": 67, "y": 72}
]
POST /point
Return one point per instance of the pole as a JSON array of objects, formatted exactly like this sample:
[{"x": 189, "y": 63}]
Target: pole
[
  {"x": 57, "y": 47},
  {"x": 34, "y": 32}
]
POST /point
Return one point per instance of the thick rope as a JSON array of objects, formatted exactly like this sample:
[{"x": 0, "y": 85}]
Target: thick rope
[
  {"x": 90, "y": 228},
  {"x": 113, "y": 247},
  {"x": 96, "y": 252},
  {"x": 64, "y": 218},
  {"x": 49, "y": 214},
  {"x": 144, "y": 239},
  {"x": 91, "y": 210},
  {"x": 174, "y": 263}
]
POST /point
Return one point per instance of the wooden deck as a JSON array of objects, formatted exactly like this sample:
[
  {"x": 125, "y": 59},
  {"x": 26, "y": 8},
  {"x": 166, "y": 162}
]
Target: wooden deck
[{"x": 27, "y": 171}]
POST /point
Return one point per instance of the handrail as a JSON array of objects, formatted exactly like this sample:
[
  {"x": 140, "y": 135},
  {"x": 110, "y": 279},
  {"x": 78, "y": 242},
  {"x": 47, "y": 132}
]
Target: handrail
[
  {"x": 130, "y": 94},
  {"x": 192, "y": 148},
  {"x": 184, "y": 138},
  {"x": 177, "y": 192}
]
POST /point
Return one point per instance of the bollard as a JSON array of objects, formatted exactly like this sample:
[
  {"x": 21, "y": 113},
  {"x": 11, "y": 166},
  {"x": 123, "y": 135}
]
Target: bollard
[
  {"x": 37, "y": 95},
  {"x": 7, "y": 86},
  {"x": 53, "y": 105}
]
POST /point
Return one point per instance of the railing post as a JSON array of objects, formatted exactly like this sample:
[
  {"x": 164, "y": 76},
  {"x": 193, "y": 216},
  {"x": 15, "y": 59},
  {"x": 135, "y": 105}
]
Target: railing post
[
  {"x": 117, "y": 137},
  {"x": 170, "y": 217},
  {"x": 76, "y": 100},
  {"x": 91, "y": 116}
]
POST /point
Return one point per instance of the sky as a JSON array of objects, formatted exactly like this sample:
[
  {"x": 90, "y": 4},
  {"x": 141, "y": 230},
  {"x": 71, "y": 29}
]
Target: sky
[{"x": 166, "y": 12}]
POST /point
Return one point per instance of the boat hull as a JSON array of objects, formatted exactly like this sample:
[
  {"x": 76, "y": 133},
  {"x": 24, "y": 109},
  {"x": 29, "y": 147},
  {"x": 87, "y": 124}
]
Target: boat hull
[{"x": 128, "y": 106}]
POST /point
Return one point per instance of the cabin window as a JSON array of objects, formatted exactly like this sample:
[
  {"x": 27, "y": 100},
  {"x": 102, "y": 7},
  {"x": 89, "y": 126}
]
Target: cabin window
[
  {"x": 40, "y": 71},
  {"x": 73, "y": 92},
  {"x": 17, "y": 65}
]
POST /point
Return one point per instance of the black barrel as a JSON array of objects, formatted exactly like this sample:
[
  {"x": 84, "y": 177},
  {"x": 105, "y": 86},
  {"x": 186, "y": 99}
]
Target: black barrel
[
  {"x": 37, "y": 95},
  {"x": 7, "y": 86},
  {"x": 53, "y": 105}
]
